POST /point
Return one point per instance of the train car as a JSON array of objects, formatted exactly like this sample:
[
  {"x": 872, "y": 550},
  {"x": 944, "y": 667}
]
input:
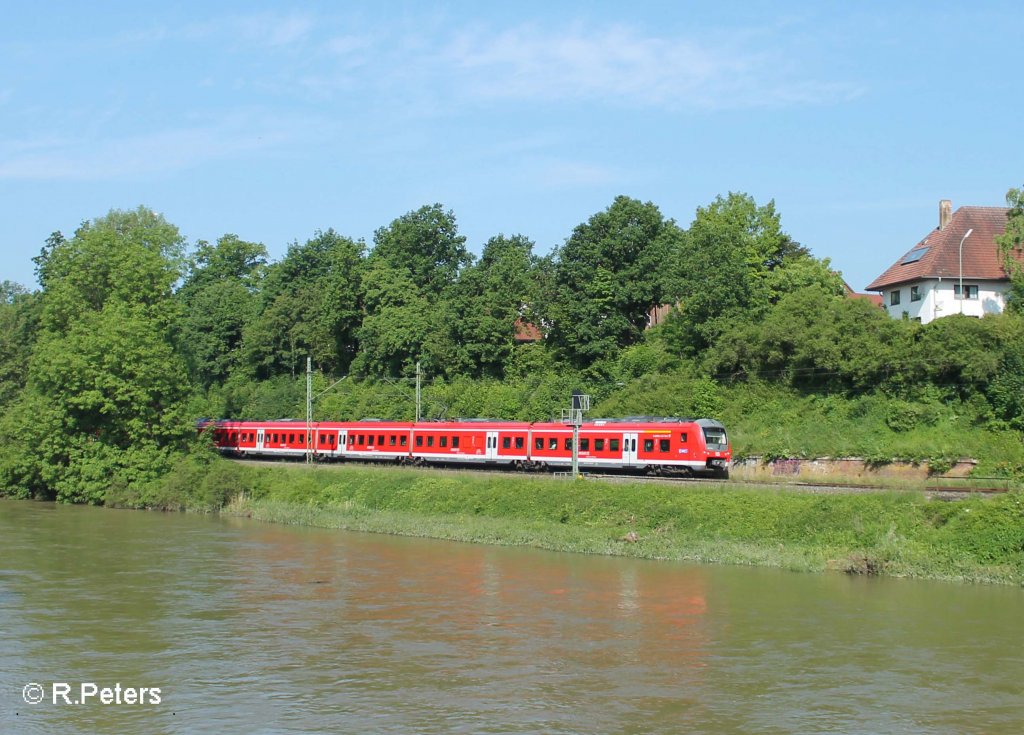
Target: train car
[
  {"x": 653, "y": 445},
  {"x": 650, "y": 444}
]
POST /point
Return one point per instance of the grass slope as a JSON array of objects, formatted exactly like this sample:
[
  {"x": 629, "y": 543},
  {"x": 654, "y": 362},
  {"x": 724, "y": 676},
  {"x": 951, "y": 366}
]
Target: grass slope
[{"x": 892, "y": 533}]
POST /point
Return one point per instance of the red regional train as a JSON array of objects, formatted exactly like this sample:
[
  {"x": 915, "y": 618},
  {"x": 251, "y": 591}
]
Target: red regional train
[{"x": 654, "y": 445}]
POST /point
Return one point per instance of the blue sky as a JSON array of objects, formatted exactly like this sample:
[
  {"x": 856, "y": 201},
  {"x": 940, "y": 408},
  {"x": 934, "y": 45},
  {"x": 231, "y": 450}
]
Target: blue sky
[{"x": 274, "y": 120}]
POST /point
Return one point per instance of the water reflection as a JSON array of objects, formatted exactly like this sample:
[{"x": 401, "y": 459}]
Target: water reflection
[{"x": 264, "y": 629}]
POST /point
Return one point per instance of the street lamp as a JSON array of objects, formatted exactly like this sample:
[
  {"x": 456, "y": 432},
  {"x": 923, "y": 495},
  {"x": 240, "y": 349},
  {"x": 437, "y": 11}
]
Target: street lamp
[{"x": 966, "y": 235}]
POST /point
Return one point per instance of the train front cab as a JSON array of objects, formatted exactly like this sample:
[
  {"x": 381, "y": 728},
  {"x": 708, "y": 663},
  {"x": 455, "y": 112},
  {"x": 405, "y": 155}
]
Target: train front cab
[{"x": 718, "y": 453}]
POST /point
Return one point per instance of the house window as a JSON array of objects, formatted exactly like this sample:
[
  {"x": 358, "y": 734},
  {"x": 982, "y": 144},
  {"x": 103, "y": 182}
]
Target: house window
[
  {"x": 915, "y": 293},
  {"x": 894, "y": 298},
  {"x": 971, "y": 292}
]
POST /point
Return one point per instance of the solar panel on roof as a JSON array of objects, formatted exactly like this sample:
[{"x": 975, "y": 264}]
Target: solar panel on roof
[{"x": 913, "y": 256}]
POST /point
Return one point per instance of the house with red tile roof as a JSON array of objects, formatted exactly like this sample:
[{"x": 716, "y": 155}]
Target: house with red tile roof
[{"x": 955, "y": 269}]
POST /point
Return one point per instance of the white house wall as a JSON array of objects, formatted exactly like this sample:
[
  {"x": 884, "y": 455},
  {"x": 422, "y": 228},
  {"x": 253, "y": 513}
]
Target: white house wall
[{"x": 938, "y": 299}]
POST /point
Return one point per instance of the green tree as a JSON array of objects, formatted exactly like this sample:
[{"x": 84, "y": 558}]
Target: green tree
[
  {"x": 485, "y": 303},
  {"x": 105, "y": 395},
  {"x": 1011, "y": 247},
  {"x": 725, "y": 265},
  {"x": 219, "y": 298},
  {"x": 311, "y": 305},
  {"x": 414, "y": 264},
  {"x": 814, "y": 340},
  {"x": 607, "y": 277},
  {"x": 427, "y": 245},
  {"x": 19, "y": 324}
]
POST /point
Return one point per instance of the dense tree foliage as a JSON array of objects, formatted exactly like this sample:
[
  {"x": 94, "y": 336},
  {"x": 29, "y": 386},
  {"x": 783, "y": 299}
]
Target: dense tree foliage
[
  {"x": 104, "y": 400},
  {"x": 310, "y": 305},
  {"x": 607, "y": 277},
  {"x": 219, "y": 298},
  {"x": 131, "y": 338},
  {"x": 728, "y": 268},
  {"x": 415, "y": 262}
]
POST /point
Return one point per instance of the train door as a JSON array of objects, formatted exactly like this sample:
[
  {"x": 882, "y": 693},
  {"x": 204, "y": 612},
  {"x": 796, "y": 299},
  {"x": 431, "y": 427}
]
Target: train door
[
  {"x": 492, "y": 445},
  {"x": 259, "y": 438},
  {"x": 629, "y": 449},
  {"x": 343, "y": 441}
]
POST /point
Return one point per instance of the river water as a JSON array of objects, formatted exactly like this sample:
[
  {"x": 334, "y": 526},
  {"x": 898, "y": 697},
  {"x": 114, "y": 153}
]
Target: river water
[{"x": 255, "y": 628}]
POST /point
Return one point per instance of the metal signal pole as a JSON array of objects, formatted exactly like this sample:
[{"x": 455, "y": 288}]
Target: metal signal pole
[
  {"x": 309, "y": 410},
  {"x": 418, "y": 382},
  {"x": 574, "y": 416}
]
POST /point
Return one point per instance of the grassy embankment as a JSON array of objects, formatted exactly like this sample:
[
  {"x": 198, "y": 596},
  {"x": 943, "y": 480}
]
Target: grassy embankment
[{"x": 893, "y": 533}]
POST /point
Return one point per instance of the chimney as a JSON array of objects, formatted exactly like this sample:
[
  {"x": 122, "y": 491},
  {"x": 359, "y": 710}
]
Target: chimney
[{"x": 945, "y": 213}]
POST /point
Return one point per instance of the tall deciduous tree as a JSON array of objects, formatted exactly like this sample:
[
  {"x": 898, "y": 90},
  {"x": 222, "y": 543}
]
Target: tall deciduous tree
[
  {"x": 219, "y": 297},
  {"x": 311, "y": 305},
  {"x": 105, "y": 395},
  {"x": 609, "y": 274},
  {"x": 489, "y": 298},
  {"x": 413, "y": 266},
  {"x": 725, "y": 265}
]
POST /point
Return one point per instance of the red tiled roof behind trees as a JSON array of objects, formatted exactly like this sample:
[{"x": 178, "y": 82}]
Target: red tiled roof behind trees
[{"x": 980, "y": 257}]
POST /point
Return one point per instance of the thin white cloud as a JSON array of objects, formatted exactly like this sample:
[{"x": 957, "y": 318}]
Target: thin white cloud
[
  {"x": 619, "y": 64},
  {"x": 142, "y": 154}
]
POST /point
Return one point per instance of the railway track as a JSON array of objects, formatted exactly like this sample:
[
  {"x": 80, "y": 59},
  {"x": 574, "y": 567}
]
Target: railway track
[{"x": 932, "y": 491}]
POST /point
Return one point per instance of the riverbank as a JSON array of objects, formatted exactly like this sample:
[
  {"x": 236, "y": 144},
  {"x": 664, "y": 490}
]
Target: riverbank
[{"x": 889, "y": 533}]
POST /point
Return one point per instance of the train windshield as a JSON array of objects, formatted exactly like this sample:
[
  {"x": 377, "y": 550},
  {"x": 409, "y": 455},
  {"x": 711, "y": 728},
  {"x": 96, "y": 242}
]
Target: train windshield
[{"x": 715, "y": 438}]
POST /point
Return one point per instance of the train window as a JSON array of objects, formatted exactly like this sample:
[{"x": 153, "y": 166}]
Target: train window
[
  {"x": 403, "y": 440},
  {"x": 275, "y": 439},
  {"x": 568, "y": 444},
  {"x": 351, "y": 439},
  {"x": 584, "y": 445},
  {"x": 506, "y": 443},
  {"x": 380, "y": 440},
  {"x": 330, "y": 438},
  {"x": 361, "y": 439},
  {"x": 444, "y": 441},
  {"x": 538, "y": 443},
  {"x": 291, "y": 438},
  {"x": 663, "y": 445},
  {"x": 682, "y": 437},
  {"x": 419, "y": 441},
  {"x": 430, "y": 441},
  {"x": 392, "y": 440},
  {"x": 519, "y": 442},
  {"x": 599, "y": 445},
  {"x": 302, "y": 438},
  {"x": 455, "y": 442},
  {"x": 648, "y": 445},
  {"x": 553, "y": 443},
  {"x": 613, "y": 445}
]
